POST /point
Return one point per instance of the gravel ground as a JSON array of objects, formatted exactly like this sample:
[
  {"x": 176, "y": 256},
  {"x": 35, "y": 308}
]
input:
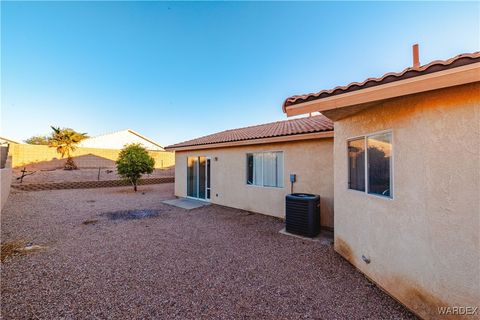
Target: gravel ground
[
  {"x": 60, "y": 175},
  {"x": 211, "y": 262}
]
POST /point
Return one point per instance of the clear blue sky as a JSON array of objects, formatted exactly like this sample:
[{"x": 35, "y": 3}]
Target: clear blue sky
[{"x": 176, "y": 71}]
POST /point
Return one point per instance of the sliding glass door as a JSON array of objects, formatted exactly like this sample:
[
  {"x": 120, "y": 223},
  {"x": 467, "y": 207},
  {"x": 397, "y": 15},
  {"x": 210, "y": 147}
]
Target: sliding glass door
[
  {"x": 198, "y": 177},
  {"x": 192, "y": 177}
]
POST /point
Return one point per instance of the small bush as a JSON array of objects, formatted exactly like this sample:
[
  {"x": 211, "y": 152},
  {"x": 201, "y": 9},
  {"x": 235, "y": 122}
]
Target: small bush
[{"x": 133, "y": 161}]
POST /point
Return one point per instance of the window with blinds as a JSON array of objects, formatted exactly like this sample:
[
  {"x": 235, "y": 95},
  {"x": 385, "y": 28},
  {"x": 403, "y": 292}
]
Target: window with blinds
[{"x": 265, "y": 169}]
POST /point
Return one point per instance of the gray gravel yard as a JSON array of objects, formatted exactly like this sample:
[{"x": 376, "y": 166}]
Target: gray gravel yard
[{"x": 211, "y": 262}]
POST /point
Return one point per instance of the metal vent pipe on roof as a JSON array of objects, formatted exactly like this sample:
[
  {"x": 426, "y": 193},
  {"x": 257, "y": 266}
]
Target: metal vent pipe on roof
[{"x": 416, "y": 56}]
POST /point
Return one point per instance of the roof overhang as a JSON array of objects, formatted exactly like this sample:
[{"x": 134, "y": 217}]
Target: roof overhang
[
  {"x": 290, "y": 138},
  {"x": 342, "y": 105}
]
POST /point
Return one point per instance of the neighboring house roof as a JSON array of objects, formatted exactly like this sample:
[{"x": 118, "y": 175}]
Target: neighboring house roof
[
  {"x": 116, "y": 140},
  {"x": 145, "y": 138},
  {"x": 391, "y": 79},
  {"x": 7, "y": 140},
  {"x": 261, "y": 133}
]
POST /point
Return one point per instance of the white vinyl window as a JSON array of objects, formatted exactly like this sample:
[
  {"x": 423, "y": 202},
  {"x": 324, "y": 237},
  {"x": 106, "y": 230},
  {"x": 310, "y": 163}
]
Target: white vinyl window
[
  {"x": 371, "y": 171},
  {"x": 265, "y": 169}
]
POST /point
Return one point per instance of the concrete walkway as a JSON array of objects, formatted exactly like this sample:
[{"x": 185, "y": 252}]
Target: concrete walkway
[{"x": 186, "y": 203}]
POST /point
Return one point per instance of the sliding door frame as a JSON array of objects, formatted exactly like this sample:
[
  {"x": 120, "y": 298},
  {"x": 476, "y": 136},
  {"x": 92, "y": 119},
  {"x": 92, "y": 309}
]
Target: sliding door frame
[{"x": 207, "y": 186}]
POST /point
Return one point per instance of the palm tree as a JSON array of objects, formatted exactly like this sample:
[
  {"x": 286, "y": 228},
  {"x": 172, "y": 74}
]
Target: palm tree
[{"x": 65, "y": 140}]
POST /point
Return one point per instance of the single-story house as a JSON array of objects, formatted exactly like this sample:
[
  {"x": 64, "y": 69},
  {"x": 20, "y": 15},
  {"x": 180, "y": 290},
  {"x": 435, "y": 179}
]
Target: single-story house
[
  {"x": 249, "y": 168},
  {"x": 118, "y": 139},
  {"x": 407, "y": 181},
  {"x": 402, "y": 172}
]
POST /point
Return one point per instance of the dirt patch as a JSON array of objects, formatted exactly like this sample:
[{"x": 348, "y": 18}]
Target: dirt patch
[
  {"x": 142, "y": 190},
  {"x": 91, "y": 221},
  {"x": 422, "y": 302},
  {"x": 132, "y": 214},
  {"x": 17, "y": 248},
  {"x": 416, "y": 298},
  {"x": 344, "y": 249}
]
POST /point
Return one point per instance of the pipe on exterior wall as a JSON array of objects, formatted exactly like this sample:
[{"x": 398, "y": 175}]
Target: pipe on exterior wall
[{"x": 293, "y": 179}]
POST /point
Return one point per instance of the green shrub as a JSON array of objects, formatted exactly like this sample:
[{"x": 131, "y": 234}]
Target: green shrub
[
  {"x": 132, "y": 162},
  {"x": 38, "y": 140}
]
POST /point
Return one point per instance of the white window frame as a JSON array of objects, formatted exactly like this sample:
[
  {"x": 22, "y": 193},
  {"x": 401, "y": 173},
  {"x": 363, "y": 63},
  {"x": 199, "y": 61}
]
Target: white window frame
[
  {"x": 262, "y": 185},
  {"x": 392, "y": 157}
]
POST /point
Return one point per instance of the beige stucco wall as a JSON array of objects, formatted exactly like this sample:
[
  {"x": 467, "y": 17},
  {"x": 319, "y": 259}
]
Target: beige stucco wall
[
  {"x": 424, "y": 245},
  {"x": 44, "y": 157},
  {"x": 5, "y": 182},
  {"x": 311, "y": 160}
]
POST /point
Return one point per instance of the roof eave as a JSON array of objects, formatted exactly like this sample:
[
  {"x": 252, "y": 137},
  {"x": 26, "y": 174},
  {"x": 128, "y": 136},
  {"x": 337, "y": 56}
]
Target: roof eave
[
  {"x": 437, "y": 80},
  {"x": 286, "y": 138}
]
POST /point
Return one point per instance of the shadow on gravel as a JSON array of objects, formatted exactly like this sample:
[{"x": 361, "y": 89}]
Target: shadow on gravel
[{"x": 132, "y": 214}]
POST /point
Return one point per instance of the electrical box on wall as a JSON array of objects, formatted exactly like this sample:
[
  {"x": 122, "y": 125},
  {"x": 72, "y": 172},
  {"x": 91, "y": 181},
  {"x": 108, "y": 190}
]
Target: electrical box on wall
[{"x": 293, "y": 177}]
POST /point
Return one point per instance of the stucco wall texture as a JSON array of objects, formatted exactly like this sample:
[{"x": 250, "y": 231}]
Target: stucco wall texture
[
  {"x": 5, "y": 182},
  {"x": 44, "y": 157},
  {"x": 311, "y": 161},
  {"x": 424, "y": 244}
]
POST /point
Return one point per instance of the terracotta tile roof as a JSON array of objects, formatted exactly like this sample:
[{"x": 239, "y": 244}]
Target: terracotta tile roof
[
  {"x": 292, "y": 127},
  {"x": 434, "y": 66}
]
